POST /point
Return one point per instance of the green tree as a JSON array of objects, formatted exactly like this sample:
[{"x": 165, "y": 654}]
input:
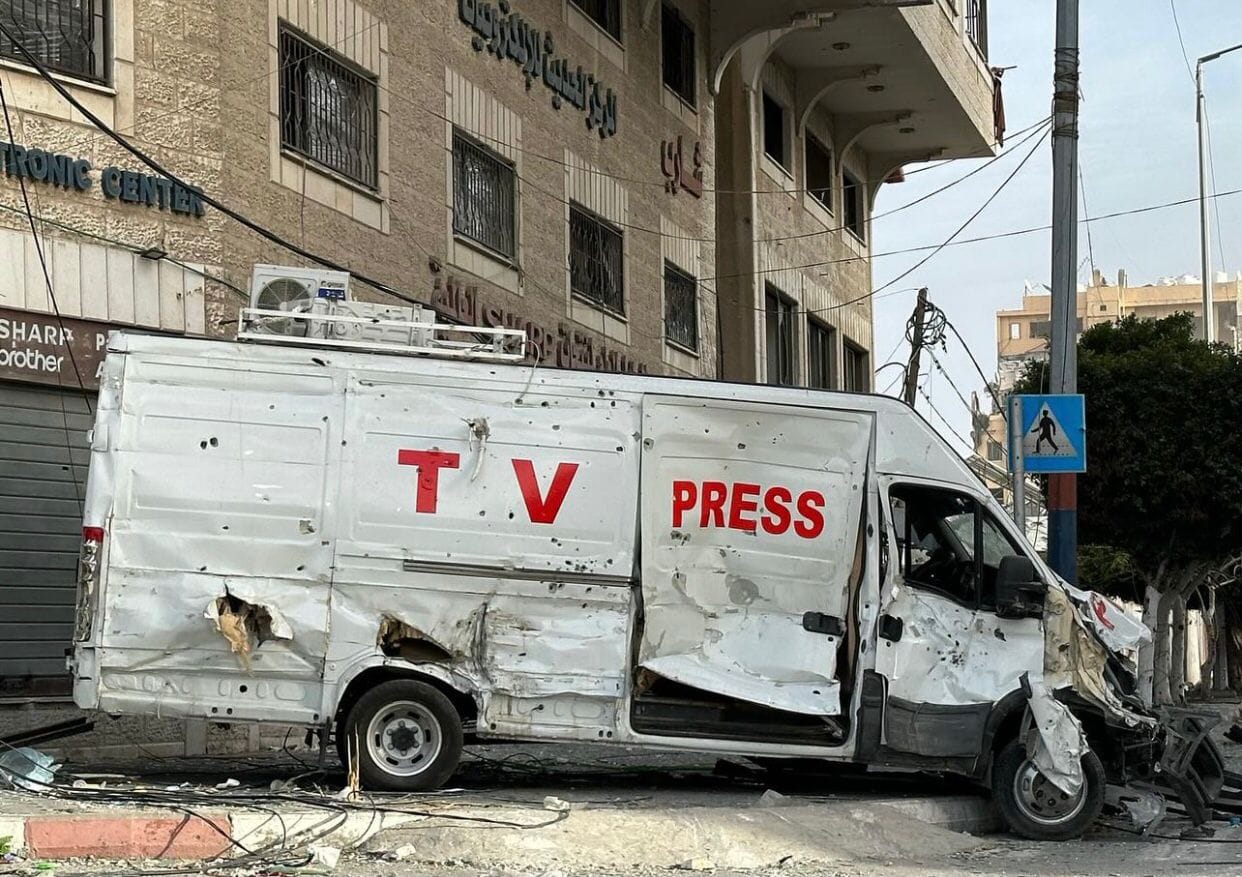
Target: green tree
[{"x": 1161, "y": 502}]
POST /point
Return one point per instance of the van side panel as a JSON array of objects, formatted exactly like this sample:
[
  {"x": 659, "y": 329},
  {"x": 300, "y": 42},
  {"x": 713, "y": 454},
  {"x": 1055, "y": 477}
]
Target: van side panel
[
  {"x": 751, "y": 516},
  {"x": 493, "y": 539},
  {"x": 220, "y": 476}
]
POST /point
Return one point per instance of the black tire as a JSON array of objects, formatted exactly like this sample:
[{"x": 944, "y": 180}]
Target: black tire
[
  {"x": 1011, "y": 762},
  {"x": 397, "y": 712}
]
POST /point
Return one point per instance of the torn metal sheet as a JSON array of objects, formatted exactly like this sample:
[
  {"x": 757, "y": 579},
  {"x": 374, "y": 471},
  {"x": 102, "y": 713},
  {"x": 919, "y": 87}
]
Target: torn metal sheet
[
  {"x": 246, "y": 625},
  {"x": 750, "y": 518},
  {"x": 1056, "y": 743},
  {"x": 1118, "y": 631}
]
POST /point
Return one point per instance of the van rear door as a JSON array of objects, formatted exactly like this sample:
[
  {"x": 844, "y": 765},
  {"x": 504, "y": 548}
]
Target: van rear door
[{"x": 751, "y": 518}]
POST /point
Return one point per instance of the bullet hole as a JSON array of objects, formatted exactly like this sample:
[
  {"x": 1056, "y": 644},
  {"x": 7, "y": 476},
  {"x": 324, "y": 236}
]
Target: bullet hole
[
  {"x": 243, "y": 688},
  {"x": 225, "y": 527},
  {"x": 614, "y": 403},
  {"x": 324, "y": 418},
  {"x": 741, "y": 446},
  {"x": 620, "y": 450},
  {"x": 592, "y": 404},
  {"x": 301, "y": 567},
  {"x": 482, "y": 514},
  {"x": 1000, "y": 634},
  {"x": 601, "y": 393},
  {"x": 556, "y": 426},
  {"x": 543, "y": 404},
  {"x": 317, "y": 361},
  {"x": 510, "y": 516},
  {"x": 202, "y": 569},
  {"x": 269, "y": 408}
]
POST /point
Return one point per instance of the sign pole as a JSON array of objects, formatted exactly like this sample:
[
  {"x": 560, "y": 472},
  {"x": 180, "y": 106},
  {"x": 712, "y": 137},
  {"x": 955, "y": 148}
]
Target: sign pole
[
  {"x": 1063, "y": 488},
  {"x": 1016, "y": 462}
]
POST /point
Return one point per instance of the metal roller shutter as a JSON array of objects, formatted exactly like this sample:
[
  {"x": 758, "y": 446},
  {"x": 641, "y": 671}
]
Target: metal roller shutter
[{"x": 43, "y": 462}]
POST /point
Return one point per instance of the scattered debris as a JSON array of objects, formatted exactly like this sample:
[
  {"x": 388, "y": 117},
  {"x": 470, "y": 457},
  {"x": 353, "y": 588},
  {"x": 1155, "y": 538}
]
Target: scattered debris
[
  {"x": 773, "y": 798},
  {"x": 400, "y": 854},
  {"x": 698, "y": 863},
  {"x": 555, "y": 804},
  {"x": 28, "y": 768},
  {"x": 230, "y": 783},
  {"x": 324, "y": 856},
  {"x": 1235, "y": 732}
]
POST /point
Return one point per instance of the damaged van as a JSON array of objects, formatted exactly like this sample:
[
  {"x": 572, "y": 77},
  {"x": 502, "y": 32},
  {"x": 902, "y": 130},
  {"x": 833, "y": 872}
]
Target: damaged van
[{"x": 409, "y": 551}]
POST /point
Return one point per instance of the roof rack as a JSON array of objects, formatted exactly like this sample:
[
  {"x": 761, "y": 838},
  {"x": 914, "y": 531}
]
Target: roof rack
[{"x": 373, "y": 334}]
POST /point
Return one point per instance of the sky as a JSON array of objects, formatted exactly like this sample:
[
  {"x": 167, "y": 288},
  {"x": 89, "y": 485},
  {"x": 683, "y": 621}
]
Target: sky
[{"x": 1137, "y": 147}]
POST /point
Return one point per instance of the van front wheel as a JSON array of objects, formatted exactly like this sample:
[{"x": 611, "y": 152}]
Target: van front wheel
[
  {"x": 1035, "y": 808},
  {"x": 409, "y": 737}
]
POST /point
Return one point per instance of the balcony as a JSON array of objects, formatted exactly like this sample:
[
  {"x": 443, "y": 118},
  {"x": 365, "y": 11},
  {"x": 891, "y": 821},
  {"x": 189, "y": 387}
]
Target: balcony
[{"x": 904, "y": 80}]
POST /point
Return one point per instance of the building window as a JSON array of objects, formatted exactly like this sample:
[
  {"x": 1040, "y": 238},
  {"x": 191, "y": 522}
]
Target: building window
[
  {"x": 774, "y": 139},
  {"x": 857, "y": 369},
  {"x": 1015, "y": 331},
  {"x": 852, "y": 195},
  {"x": 821, "y": 348},
  {"x": 484, "y": 197},
  {"x": 327, "y": 109},
  {"x": 596, "y": 260},
  {"x": 818, "y": 171},
  {"x": 995, "y": 451},
  {"x": 1041, "y": 328},
  {"x": 67, "y": 36},
  {"x": 779, "y": 330},
  {"x": 977, "y": 24},
  {"x": 605, "y": 13},
  {"x": 677, "y": 40},
  {"x": 681, "y": 308}
]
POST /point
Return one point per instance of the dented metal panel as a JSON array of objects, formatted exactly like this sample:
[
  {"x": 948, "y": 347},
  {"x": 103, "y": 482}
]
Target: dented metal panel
[{"x": 750, "y": 517}]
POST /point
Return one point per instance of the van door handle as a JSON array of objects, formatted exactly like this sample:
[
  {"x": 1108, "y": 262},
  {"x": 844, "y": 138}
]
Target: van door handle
[{"x": 819, "y": 622}]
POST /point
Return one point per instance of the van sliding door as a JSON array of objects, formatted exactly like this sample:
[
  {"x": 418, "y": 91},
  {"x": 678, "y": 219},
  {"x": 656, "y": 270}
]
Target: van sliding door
[{"x": 750, "y": 521}]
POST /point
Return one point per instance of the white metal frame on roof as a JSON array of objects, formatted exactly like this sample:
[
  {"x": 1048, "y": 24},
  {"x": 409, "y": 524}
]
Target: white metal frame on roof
[{"x": 479, "y": 343}]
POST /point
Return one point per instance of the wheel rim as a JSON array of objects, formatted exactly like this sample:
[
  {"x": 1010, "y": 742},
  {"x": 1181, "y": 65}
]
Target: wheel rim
[
  {"x": 1041, "y": 801},
  {"x": 404, "y": 739}
]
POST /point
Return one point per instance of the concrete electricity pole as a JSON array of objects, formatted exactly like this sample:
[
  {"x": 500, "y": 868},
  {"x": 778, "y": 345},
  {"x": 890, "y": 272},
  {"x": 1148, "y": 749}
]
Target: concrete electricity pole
[
  {"x": 916, "y": 348},
  {"x": 1063, "y": 367}
]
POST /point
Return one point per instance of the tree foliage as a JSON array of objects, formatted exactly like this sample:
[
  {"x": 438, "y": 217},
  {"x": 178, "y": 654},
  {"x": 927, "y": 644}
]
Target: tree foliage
[{"x": 1163, "y": 487}]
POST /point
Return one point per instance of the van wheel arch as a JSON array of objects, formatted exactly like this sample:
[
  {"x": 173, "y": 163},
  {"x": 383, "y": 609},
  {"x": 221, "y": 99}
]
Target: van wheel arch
[{"x": 465, "y": 703}]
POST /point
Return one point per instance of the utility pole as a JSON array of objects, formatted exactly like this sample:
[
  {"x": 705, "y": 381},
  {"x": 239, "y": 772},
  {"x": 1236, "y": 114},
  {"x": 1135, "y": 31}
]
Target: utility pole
[
  {"x": 1205, "y": 231},
  {"x": 916, "y": 347},
  {"x": 1063, "y": 367},
  {"x": 1205, "y": 227}
]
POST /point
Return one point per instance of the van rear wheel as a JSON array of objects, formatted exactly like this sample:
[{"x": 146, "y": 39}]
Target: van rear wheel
[
  {"x": 1035, "y": 808},
  {"x": 409, "y": 737}
]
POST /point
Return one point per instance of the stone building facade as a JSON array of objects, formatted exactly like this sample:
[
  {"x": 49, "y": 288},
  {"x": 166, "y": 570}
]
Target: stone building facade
[{"x": 629, "y": 181}]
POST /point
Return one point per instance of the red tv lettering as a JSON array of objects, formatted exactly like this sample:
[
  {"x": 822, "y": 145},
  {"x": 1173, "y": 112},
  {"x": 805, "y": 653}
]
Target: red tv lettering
[
  {"x": 429, "y": 464},
  {"x": 543, "y": 510}
]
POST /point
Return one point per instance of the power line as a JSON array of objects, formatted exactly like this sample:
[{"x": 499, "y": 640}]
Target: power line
[
  {"x": 987, "y": 383},
  {"x": 1178, "y": 26},
  {"x": 1086, "y": 215},
  {"x": 207, "y": 199}
]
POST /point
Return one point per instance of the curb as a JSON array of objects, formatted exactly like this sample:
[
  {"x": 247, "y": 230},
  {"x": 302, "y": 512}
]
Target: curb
[{"x": 158, "y": 835}]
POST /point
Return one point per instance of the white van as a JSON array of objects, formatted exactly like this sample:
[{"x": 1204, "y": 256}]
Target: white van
[{"x": 410, "y": 551}]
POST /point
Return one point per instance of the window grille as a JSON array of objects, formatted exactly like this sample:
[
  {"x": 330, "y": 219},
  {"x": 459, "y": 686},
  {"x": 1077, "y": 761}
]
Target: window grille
[
  {"x": 67, "y": 36},
  {"x": 484, "y": 197}
]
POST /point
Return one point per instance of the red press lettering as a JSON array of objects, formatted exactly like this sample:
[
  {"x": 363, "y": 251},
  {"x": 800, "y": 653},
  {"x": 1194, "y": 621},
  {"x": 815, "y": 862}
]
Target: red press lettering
[
  {"x": 812, "y": 523},
  {"x": 429, "y": 464},
  {"x": 685, "y": 495},
  {"x": 776, "y": 503},
  {"x": 714, "y": 495},
  {"x": 543, "y": 510},
  {"x": 745, "y": 502}
]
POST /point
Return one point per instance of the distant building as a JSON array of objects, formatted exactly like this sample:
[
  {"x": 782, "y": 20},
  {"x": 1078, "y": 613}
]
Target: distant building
[{"x": 1022, "y": 333}]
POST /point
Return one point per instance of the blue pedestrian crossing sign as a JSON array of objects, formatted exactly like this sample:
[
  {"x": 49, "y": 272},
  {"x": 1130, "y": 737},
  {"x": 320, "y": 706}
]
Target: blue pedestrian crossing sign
[{"x": 1054, "y": 433}]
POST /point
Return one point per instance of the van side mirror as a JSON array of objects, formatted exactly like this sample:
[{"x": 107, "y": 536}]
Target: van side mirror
[{"x": 1019, "y": 592}]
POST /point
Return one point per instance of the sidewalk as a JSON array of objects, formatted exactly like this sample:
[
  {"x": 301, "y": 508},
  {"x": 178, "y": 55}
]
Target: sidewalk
[{"x": 538, "y": 810}]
